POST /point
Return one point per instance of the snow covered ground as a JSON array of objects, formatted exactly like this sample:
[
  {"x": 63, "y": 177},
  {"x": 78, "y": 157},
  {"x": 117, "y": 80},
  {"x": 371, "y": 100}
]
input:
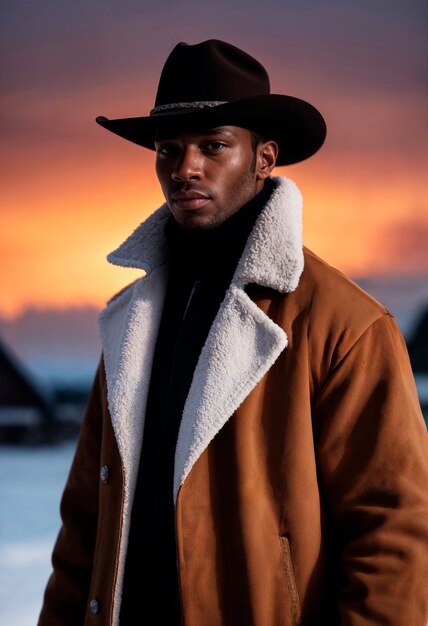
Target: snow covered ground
[{"x": 31, "y": 483}]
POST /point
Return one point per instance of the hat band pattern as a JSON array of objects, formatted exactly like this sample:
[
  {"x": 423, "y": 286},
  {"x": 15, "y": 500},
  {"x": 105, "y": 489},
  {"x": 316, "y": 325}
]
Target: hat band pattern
[{"x": 198, "y": 104}]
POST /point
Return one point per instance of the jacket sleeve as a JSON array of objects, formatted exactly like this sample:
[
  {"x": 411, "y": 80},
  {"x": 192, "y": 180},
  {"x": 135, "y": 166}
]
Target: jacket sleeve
[
  {"x": 66, "y": 594},
  {"x": 373, "y": 461}
]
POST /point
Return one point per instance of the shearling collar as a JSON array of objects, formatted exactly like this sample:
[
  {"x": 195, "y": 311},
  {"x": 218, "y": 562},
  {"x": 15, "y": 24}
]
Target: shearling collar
[{"x": 272, "y": 257}]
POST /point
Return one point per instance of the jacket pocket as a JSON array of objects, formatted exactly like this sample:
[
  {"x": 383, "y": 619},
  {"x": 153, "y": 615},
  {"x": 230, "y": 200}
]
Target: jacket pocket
[{"x": 296, "y": 612}]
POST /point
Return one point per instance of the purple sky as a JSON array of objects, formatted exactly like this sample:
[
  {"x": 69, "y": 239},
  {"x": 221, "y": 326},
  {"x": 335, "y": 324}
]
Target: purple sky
[{"x": 363, "y": 63}]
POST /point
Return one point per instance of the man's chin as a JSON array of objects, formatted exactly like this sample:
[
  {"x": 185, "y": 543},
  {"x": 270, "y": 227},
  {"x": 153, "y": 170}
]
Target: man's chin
[
  {"x": 196, "y": 221},
  {"x": 197, "y": 225}
]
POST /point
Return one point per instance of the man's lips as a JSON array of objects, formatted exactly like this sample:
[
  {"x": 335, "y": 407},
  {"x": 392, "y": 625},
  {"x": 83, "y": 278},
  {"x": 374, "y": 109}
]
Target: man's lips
[{"x": 190, "y": 199}]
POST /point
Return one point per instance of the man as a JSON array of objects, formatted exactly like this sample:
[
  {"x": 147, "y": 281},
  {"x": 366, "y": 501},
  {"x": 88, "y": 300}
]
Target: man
[{"x": 253, "y": 451}]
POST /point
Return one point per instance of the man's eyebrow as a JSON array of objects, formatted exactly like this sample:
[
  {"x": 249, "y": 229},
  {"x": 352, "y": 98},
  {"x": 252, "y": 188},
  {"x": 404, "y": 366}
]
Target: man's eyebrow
[{"x": 219, "y": 130}]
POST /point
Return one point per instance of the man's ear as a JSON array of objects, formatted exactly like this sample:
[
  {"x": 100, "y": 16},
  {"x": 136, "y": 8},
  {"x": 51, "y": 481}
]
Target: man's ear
[{"x": 267, "y": 154}]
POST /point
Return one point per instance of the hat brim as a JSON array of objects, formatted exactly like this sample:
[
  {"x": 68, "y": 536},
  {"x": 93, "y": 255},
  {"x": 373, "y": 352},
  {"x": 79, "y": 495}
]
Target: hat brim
[{"x": 297, "y": 127}]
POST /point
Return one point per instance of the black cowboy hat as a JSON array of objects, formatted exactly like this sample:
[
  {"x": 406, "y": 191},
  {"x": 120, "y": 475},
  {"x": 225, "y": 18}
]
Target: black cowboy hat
[{"x": 213, "y": 83}]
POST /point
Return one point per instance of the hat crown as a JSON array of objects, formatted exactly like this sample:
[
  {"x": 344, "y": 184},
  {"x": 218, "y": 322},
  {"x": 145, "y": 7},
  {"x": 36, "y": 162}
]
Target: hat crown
[{"x": 212, "y": 70}]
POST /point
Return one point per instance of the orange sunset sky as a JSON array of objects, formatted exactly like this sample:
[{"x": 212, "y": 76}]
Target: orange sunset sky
[{"x": 71, "y": 191}]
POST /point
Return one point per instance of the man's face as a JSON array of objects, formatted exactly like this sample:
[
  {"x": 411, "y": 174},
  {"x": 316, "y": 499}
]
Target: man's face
[{"x": 206, "y": 176}]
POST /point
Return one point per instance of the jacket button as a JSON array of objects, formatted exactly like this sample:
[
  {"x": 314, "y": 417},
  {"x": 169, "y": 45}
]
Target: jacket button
[
  {"x": 94, "y": 606},
  {"x": 104, "y": 473}
]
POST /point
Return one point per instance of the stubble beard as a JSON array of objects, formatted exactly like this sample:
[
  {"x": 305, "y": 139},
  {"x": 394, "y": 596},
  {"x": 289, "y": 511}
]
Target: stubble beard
[{"x": 241, "y": 196}]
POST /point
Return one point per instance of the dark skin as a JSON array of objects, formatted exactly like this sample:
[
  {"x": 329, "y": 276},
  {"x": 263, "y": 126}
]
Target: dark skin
[{"x": 206, "y": 176}]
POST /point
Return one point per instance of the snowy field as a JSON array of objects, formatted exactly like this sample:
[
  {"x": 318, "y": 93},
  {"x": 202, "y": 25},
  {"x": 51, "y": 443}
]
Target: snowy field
[{"x": 31, "y": 483}]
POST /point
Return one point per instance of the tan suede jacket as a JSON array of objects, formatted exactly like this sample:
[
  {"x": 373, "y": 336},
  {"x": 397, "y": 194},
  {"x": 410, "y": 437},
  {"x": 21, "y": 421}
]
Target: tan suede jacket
[{"x": 301, "y": 470}]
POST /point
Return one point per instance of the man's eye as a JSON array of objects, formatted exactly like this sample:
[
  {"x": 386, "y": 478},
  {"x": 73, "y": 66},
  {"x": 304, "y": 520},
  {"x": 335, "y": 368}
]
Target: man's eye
[
  {"x": 216, "y": 146},
  {"x": 165, "y": 149}
]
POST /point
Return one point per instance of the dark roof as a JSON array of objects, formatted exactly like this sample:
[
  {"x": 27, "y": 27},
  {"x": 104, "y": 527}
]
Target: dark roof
[{"x": 17, "y": 389}]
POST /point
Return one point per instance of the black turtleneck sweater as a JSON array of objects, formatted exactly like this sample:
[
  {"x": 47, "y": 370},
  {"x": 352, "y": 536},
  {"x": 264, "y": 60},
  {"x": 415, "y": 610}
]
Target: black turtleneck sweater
[{"x": 202, "y": 264}]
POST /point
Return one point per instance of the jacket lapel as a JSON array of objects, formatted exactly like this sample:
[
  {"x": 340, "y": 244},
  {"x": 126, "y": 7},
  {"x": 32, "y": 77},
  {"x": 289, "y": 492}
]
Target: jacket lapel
[
  {"x": 241, "y": 346},
  {"x": 129, "y": 327}
]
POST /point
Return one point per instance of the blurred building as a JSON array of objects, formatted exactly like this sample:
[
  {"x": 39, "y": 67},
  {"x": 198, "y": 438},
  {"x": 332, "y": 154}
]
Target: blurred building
[
  {"x": 25, "y": 409},
  {"x": 31, "y": 413}
]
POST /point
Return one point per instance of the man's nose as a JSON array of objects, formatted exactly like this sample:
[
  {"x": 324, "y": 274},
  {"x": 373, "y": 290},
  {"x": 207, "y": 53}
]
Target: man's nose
[{"x": 188, "y": 165}]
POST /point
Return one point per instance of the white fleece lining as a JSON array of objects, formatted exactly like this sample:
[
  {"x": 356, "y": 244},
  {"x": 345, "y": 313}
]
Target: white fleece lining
[
  {"x": 242, "y": 345},
  {"x": 148, "y": 239},
  {"x": 273, "y": 254}
]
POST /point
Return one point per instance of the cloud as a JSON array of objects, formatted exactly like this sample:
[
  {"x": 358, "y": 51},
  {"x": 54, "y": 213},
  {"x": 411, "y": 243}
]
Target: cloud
[{"x": 53, "y": 332}]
